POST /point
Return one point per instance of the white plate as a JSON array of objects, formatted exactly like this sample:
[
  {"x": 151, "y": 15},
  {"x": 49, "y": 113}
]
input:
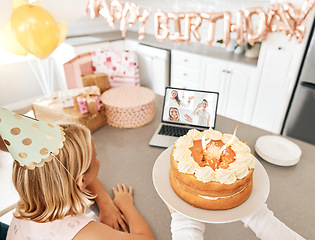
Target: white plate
[
  {"x": 163, "y": 187},
  {"x": 278, "y": 150}
]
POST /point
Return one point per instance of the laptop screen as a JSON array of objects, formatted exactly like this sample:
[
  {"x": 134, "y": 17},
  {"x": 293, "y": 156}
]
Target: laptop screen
[{"x": 190, "y": 107}]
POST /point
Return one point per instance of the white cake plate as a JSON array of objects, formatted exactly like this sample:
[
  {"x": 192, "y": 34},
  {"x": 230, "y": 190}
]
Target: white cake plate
[{"x": 258, "y": 197}]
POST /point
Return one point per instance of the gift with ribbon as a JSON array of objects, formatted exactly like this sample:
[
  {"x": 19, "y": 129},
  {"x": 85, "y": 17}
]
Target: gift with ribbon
[
  {"x": 87, "y": 110},
  {"x": 88, "y": 103}
]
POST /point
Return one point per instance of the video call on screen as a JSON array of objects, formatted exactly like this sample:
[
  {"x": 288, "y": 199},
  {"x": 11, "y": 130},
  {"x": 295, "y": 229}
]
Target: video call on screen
[{"x": 191, "y": 107}]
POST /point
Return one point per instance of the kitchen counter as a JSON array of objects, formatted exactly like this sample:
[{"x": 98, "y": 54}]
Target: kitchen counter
[
  {"x": 150, "y": 40},
  {"x": 126, "y": 157}
]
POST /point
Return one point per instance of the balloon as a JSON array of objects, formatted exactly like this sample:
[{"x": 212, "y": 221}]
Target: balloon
[
  {"x": 192, "y": 27},
  {"x": 278, "y": 20},
  {"x": 239, "y": 27},
  {"x": 298, "y": 16},
  {"x": 116, "y": 8},
  {"x": 65, "y": 11},
  {"x": 35, "y": 29},
  {"x": 62, "y": 32},
  {"x": 130, "y": 15},
  {"x": 212, "y": 18},
  {"x": 95, "y": 7},
  {"x": 161, "y": 25},
  {"x": 227, "y": 28},
  {"x": 9, "y": 43},
  {"x": 262, "y": 24},
  {"x": 105, "y": 12},
  {"x": 177, "y": 36},
  {"x": 5, "y": 11},
  {"x": 142, "y": 22}
]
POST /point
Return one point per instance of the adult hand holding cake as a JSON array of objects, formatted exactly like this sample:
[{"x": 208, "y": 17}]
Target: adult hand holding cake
[{"x": 208, "y": 178}]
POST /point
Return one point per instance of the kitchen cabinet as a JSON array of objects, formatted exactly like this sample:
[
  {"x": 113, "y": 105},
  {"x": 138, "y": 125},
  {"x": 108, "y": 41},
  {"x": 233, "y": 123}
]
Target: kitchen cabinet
[
  {"x": 153, "y": 67},
  {"x": 185, "y": 70},
  {"x": 236, "y": 84}
]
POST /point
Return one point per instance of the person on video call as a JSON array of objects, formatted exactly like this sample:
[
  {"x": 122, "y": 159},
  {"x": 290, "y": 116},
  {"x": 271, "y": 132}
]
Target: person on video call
[
  {"x": 174, "y": 115},
  {"x": 175, "y": 101},
  {"x": 202, "y": 114}
]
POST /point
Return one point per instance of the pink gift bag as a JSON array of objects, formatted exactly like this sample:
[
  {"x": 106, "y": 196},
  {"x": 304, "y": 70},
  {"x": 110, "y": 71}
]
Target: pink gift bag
[{"x": 120, "y": 66}]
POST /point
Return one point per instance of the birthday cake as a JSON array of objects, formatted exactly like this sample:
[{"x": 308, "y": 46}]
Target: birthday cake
[{"x": 211, "y": 170}]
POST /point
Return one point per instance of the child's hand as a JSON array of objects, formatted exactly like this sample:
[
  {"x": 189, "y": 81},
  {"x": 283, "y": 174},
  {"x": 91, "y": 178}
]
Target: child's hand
[
  {"x": 111, "y": 216},
  {"x": 122, "y": 196}
]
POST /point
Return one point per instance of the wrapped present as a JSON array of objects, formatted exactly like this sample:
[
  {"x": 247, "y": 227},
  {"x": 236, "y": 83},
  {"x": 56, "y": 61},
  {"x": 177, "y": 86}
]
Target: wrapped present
[
  {"x": 67, "y": 98},
  {"x": 96, "y": 79},
  {"x": 129, "y": 107},
  {"x": 120, "y": 66},
  {"x": 76, "y": 67},
  {"x": 88, "y": 110}
]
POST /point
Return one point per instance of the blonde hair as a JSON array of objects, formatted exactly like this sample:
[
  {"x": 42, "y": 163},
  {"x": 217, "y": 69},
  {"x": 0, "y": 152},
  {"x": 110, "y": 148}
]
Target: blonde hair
[{"x": 48, "y": 193}]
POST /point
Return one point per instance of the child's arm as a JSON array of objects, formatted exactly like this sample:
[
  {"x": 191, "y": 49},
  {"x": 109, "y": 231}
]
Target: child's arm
[
  {"x": 124, "y": 201},
  {"x": 139, "y": 229},
  {"x": 109, "y": 213}
]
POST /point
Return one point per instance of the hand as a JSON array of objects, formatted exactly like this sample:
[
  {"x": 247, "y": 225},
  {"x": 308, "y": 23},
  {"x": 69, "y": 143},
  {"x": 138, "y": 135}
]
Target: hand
[
  {"x": 111, "y": 216},
  {"x": 190, "y": 98},
  {"x": 188, "y": 118},
  {"x": 122, "y": 196},
  {"x": 199, "y": 105}
]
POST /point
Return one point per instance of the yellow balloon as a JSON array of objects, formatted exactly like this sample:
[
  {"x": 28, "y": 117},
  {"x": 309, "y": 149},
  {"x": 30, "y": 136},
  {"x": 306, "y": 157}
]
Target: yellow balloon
[
  {"x": 9, "y": 43},
  {"x": 35, "y": 29},
  {"x": 63, "y": 32}
]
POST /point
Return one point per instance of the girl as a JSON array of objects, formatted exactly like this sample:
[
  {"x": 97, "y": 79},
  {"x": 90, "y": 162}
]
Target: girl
[
  {"x": 173, "y": 114},
  {"x": 54, "y": 196}
]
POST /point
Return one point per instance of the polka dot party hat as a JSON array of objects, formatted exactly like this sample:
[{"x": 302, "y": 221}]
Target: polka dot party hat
[{"x": 30, "y": 141}]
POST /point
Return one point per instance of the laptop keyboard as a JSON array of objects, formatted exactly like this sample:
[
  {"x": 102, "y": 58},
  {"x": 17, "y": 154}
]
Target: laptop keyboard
[{"x": 173, "y": 131}]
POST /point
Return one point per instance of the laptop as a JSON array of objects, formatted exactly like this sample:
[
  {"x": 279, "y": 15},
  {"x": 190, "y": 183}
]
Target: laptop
[{"x": 184, "y": 109}]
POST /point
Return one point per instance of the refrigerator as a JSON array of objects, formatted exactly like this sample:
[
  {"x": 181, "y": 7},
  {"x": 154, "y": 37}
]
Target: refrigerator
[{"x": 300, "y": 116}]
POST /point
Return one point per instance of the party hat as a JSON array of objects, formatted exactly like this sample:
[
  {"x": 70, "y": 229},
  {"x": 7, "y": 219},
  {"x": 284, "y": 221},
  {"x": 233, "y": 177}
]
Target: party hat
[{"x": 30, "y": 142}]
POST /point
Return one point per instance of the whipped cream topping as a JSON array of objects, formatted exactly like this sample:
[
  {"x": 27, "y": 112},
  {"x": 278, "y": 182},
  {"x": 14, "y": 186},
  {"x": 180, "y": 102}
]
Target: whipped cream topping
[{"x": 244, "y": 160}]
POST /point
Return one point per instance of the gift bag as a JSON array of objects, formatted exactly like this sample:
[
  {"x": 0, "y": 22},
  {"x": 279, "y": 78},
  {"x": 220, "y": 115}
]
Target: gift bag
[
  {"x": 85, "y": 108},
  {"x": 120, "y": 66}
]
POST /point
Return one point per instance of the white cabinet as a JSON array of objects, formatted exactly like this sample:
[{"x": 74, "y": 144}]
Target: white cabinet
[
  {"x": 153, "y": 68},
  {"x": 185, "y": 70},
  {"x": 236, "y": 84}
]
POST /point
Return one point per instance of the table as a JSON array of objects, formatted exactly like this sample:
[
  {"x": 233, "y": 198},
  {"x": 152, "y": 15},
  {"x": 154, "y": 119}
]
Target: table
[{"x": 126, "y": 157}]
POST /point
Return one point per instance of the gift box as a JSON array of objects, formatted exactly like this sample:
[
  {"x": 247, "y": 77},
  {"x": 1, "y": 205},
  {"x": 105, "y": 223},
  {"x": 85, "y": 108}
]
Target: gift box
[
  {"x": 96, "y": 79},
  {"x": 76, "y": 67},
  {"x": 87, "y": 110},
  {"x": 129, "y": 107},
  {"x": 120, "y": 66}
]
